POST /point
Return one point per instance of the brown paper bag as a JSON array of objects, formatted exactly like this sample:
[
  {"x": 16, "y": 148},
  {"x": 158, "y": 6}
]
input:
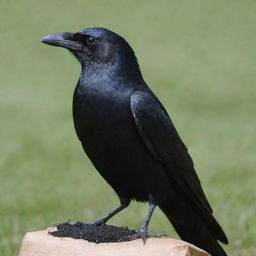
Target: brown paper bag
[{"x": 41, "y": 243}]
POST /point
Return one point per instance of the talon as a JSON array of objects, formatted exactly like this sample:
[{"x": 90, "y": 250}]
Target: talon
[
  {"x": 144, "y": 238},
  {"x": 144, "y": 235}
]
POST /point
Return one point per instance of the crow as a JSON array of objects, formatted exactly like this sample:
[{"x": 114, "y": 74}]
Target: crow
[{"x": 130, "y": 139}]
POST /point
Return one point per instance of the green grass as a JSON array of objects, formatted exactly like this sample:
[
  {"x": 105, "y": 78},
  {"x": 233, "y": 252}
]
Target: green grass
[{"x": 198, "y": 56}]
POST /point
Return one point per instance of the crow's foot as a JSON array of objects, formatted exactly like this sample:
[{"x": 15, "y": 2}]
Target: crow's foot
[{"x": 143, "y": 235}]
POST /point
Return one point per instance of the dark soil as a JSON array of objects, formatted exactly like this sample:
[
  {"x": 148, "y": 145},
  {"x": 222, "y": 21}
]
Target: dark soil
[{"x": 91, "y": 232}]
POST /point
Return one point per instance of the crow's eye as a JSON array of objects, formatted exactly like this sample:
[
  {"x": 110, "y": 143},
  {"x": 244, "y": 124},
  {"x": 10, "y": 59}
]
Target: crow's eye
[{"x": 91, "y": 40}]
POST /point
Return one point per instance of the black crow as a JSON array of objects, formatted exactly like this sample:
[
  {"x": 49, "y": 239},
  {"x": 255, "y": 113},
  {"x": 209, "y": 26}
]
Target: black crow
[{"x": 129, "y": 137}]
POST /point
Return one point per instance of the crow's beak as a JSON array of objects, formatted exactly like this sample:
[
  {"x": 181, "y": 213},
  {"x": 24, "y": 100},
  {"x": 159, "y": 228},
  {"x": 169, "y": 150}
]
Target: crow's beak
[{"x": 65, "y": 40}]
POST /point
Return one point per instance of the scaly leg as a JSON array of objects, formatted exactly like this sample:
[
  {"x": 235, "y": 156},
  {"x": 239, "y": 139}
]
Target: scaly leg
[
  {"x": 103, "y": 220},
  {"x": 143, "y": 233}
]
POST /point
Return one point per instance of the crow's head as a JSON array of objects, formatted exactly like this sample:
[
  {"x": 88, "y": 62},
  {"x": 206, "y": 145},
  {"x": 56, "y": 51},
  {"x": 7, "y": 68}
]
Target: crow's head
[{"x": 95, "y": 46}]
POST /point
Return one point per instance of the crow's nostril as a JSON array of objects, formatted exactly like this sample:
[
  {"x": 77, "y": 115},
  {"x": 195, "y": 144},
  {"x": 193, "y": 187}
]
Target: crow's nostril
[{"x": 69, "y": 36}]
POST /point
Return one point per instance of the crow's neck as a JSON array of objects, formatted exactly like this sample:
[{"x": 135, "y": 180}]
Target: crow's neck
[{"x": 115, "y": 72}]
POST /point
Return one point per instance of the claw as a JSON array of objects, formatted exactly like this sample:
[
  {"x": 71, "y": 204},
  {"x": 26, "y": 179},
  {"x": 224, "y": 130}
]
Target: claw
[{"x": 143, "y": 235}]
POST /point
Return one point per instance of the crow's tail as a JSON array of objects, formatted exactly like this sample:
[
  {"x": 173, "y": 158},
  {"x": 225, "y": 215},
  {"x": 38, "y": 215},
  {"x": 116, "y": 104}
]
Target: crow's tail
[{"x": 192, "y": 226}]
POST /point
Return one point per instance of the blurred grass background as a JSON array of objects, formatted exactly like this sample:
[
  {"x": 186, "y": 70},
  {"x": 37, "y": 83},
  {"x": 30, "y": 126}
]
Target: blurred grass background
[{"x": 198, "y": 56}]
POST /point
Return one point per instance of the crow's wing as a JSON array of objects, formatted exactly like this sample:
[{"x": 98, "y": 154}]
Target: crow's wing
[{"x": 161, "y": 138}]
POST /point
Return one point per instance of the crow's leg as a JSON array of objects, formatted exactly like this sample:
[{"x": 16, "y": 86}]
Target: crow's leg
[
  {"x": 143, "y": 233},
  {"x": 144, "y": 227},
  {"x": 124, "y": 203}
]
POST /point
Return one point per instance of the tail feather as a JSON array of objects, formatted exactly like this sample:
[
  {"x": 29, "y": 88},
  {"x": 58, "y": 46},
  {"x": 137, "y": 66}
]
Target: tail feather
[{"x": 192, "y": 227}]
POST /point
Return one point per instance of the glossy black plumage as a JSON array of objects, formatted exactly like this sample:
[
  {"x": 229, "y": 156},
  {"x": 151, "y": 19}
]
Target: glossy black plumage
[{"x": 130, "y": 139}]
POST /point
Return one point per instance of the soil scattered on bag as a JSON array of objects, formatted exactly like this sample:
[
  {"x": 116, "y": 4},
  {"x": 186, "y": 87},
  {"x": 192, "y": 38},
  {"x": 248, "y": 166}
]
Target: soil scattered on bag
[{"x": 91, "y": 232}]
